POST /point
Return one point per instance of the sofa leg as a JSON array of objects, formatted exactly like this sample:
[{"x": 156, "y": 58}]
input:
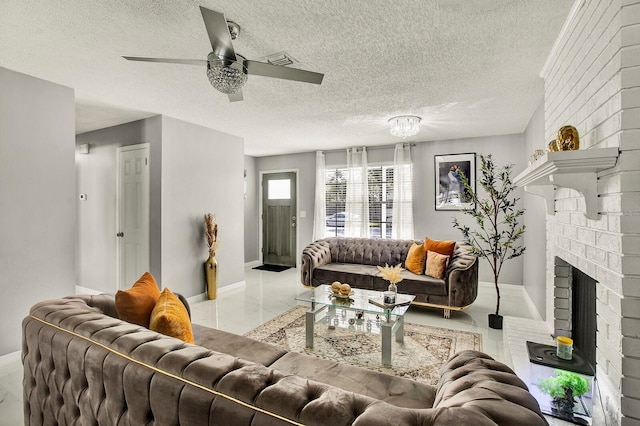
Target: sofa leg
[{"x": 447, "y": 313}]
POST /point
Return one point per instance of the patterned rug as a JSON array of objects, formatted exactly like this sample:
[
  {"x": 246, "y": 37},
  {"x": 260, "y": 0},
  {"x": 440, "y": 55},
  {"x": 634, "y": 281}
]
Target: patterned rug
[{"x": 419, "y": 357}]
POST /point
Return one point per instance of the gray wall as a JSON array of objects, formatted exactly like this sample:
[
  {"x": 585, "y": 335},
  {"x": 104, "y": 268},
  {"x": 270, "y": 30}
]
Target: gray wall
[
  {"x": 535, "y": 219},
  {"x": 96, "y": 240},
  {"x": 188, "y": 179},
  {"x": 428, "y": 222},
  {"x": 305, "y": 164},
  {"x": 250, "y": 210},
  {"x": 37, "y": 198},
  {"x": 437, "y": 224},
  {"x": 202, "y": 171}
]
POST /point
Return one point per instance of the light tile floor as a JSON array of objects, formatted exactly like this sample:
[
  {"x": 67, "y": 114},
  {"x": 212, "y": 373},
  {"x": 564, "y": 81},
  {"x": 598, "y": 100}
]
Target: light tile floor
[{"x": 269, "y": 294}]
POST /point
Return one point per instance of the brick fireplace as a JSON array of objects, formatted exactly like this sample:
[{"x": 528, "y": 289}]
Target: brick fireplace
[
  {"x": 597, "y": 247},
  {"x": 592, "y": 81}
]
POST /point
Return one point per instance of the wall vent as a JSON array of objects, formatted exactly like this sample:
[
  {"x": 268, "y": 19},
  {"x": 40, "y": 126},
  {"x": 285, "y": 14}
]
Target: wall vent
[{"x": 280, "y": 58}]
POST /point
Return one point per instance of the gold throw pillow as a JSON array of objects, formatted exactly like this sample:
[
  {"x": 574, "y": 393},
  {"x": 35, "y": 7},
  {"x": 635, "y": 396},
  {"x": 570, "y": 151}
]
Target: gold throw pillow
[
  {"x": 171, "y": 318},
  {"x": 442, "y": 247},
  {"x": 415, "y": 259},
  {"x": 135, "y": 305}
]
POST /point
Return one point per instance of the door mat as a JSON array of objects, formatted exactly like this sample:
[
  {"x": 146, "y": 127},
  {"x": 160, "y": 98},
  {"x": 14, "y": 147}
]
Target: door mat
[
  {"x": 424, "y": 350},
  {"x": 272, "y": 268}
]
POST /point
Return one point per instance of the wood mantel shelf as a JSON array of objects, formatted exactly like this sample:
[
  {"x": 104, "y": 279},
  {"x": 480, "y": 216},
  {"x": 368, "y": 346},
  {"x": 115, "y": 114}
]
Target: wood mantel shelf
[{"x": 568, "y": 169}]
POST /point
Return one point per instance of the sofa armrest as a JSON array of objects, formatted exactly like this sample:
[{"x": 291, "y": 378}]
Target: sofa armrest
[
  {"x": 470, "y": 380},
  {"x": 462, "y": 279},
  {"x": 313, "y": 255}
]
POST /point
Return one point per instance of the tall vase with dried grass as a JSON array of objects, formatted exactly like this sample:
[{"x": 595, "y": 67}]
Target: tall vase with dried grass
[{"x": 211, "y": 265}]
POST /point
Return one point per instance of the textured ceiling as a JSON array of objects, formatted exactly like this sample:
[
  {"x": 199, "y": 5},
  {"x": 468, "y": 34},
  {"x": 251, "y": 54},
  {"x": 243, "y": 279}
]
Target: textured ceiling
[{"x": 467, "y": 67}]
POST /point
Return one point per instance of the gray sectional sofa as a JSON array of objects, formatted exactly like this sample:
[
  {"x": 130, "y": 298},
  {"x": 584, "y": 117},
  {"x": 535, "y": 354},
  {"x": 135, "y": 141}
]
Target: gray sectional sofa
[
  {"x": 82, "y": 365},
  {"x": 354, "y": 260}
]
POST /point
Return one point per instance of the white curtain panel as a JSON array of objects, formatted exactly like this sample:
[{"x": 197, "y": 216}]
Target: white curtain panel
[
  {"x": 320, "y": 213},
  {"x": 356, "y": 222},
  {"x": 402, "y": 220}
]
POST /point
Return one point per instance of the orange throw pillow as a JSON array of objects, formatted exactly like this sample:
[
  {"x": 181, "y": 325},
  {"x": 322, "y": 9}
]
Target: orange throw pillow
[
  {"x": 436, "y": 264},
  {"x": 442, "y": 247},
  {"x": 415, "y": 259},
  {"x": 135, "y": 305},
  {"x": 171, "y": 318}
]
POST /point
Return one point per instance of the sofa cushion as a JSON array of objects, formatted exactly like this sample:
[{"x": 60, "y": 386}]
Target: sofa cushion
[
  {"x": 235, "y": 345},
  {"x": 442, "y": 247},
  {"x": 415, "y": 259},
  {"x": 392, "y": 389},
  {"x": 436, "y": 264},
  {"x": 418, "y": 284},
  {"x": 356, "y": 275},
  {"x": 170, "y": 317},
  {"x": 366, "y": 277},
  {"x": 136, "y": 304}
]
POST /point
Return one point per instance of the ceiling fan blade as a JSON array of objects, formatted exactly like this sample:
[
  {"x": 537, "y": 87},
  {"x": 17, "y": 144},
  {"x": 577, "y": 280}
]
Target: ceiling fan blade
[
  {"x": 167, "y": 61},
  {"x": 235, "y": 97},
  {"x": 286, "y": 73},
  {"x": 218, "y": 33}
]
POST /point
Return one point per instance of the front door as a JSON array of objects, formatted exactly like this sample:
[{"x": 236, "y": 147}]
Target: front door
[
  {"x": 133, "y": 214},
  {"x": 279, "y": 218}
]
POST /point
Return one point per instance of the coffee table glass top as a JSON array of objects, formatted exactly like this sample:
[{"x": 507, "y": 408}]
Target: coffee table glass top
[{"x": 358, "y": 300}]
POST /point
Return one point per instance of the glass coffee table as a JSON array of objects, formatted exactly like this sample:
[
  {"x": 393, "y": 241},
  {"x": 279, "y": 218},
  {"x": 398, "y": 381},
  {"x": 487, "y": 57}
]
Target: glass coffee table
[{"x": 356, "y": 312}]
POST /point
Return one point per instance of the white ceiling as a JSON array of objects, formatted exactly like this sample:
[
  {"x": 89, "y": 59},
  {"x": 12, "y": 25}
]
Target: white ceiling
[{"x": 467, "y": 67}]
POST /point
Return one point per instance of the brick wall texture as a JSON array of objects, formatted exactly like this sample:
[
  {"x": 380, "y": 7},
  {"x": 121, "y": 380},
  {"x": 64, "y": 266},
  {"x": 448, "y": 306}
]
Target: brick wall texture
[{"x": 593, "y": 83}]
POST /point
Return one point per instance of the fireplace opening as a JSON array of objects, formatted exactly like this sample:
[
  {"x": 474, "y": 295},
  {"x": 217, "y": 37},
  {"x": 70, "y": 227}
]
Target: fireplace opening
[{"x": 583, "y": 314}]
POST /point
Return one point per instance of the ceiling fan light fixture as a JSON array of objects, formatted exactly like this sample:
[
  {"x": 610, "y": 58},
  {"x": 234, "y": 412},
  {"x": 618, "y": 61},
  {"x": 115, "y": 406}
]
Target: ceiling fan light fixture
[
  {"x": 227, "y": 76},
  {"x": 404, "y": 126}
]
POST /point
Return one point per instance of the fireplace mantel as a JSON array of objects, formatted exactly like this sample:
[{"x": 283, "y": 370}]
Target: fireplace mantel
[{"x": 568, "y": 169}]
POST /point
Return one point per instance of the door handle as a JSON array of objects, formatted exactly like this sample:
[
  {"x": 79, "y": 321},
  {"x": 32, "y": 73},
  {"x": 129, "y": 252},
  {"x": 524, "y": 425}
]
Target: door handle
[{"x": 120, "y": 234}]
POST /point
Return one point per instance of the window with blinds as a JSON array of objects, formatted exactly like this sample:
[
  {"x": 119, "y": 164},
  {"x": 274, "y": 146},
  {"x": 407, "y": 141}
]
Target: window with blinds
[{"x": 380, "y": 187}]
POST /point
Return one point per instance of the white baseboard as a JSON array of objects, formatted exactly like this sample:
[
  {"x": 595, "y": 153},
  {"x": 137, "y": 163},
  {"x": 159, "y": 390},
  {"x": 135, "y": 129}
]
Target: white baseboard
[
  {"x": 253, "y": 263},
  {"x": 532, "y": 307},
  {"x": 221, "y": 291},
  {"x": 231, "y": 287},
  {"x": 197, "y": 298},
  {"x": 10, "y": 358},
  {"x": 87, "y": 290}
]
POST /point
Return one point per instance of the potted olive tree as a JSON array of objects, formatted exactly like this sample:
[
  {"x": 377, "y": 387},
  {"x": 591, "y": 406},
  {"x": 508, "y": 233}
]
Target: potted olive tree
[{"x": 495, "y": 237}]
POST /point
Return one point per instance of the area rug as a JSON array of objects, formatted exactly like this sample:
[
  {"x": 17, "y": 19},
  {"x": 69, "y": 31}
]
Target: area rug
[
  {"x": 419, "y": 357},
  {"x": 272, "y": 268}
]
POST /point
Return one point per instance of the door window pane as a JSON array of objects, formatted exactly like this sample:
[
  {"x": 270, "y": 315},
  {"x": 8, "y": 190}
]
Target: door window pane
[{"x": 279, "y": 189}]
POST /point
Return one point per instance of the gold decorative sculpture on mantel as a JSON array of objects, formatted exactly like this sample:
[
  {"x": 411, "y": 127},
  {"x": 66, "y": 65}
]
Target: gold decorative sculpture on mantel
[
  {"x": 211, "y": 265},
  {"x": 567, "y": 139}
]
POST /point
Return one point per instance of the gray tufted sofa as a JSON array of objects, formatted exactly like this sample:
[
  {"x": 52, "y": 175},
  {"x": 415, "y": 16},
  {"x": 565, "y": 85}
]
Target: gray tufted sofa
[
  {"x": 354, "y": 261},
  {"x": 84, "y": 366}
]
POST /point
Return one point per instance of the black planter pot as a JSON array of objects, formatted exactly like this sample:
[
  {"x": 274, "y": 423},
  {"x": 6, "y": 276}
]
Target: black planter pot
[{"x": 495, "y": 321}]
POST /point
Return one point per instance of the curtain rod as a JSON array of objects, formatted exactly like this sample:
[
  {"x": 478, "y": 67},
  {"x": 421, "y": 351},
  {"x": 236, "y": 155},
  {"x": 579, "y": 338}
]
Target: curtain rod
[{"x": 369, "y": 148}]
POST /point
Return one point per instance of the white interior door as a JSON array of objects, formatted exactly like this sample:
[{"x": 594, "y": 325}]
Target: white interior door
[{"x": 133, "y": 213}]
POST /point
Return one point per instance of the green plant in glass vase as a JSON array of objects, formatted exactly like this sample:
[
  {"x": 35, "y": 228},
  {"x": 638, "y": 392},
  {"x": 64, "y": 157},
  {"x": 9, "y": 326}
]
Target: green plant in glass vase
[
  {"x": 563, "y": 387},
  {"x": 495, "y": 237}
]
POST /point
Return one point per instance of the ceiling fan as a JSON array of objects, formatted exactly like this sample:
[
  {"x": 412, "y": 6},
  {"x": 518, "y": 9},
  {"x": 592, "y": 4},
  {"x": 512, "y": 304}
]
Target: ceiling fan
[{"x": 227, "y": 70}]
